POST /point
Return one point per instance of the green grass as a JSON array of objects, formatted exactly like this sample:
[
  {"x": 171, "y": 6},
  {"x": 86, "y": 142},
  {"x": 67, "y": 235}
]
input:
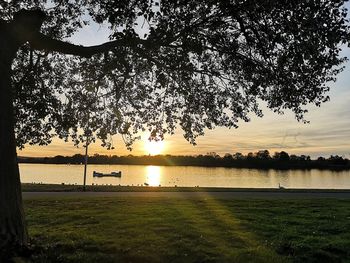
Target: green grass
[{"x": 137, "y": 229}]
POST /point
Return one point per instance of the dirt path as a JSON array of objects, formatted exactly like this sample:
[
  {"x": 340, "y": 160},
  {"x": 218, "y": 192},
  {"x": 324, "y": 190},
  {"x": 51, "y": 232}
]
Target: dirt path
[{"x": 220, "y": 195}]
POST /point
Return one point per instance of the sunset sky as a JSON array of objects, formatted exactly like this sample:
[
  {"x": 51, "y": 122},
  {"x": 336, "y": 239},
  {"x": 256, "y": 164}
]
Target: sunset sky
[{"x": 328, "y": 132}]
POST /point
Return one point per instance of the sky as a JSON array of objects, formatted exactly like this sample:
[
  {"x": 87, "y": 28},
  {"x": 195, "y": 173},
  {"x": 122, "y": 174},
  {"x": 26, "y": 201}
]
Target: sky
[{"x": 328, "y": 132}]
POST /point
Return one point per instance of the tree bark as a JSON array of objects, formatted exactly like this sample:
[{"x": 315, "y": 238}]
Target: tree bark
[{"x": 13, "y": 231}]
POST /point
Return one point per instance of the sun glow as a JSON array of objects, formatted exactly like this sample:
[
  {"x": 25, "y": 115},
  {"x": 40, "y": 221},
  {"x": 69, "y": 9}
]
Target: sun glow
[{"x": 153, "y": 147}]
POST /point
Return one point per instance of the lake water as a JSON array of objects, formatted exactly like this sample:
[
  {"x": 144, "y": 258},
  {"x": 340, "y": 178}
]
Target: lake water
[{"x": 185, "y": 176}]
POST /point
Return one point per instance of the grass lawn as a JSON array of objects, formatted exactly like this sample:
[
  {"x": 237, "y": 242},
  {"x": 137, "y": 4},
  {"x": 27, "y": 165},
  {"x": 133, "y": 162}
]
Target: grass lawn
[{"x": 134, "y": 229}]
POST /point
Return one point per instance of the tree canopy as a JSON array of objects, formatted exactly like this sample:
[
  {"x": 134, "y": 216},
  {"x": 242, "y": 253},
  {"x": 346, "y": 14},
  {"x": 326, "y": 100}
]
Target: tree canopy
[{"x": 197, "y": 64}]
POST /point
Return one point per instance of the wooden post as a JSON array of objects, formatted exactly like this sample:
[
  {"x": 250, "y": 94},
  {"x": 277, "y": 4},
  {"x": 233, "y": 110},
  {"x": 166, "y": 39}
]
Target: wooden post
[{"x": 86, "y": 162}]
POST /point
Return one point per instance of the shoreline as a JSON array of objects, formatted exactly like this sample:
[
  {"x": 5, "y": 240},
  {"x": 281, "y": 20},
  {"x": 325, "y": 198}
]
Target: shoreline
[{"x": 29, "y": 187}]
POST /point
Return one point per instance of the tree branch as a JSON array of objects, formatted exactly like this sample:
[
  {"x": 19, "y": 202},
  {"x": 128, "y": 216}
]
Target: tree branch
[
  {"x": 26, "y": 26},
  {"x": 40, "y": 41}
]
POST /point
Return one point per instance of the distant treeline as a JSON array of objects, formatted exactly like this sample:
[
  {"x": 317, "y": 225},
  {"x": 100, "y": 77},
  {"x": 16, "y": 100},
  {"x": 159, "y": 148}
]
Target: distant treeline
[{"x": 260, "y": 160}]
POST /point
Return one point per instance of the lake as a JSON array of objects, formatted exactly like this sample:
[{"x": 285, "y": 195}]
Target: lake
[{"x": 185, "y": 176}]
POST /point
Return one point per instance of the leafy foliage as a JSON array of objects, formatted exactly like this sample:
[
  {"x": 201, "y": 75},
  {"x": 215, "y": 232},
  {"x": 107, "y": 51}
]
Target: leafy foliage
[{"x": 193, "y": 64}]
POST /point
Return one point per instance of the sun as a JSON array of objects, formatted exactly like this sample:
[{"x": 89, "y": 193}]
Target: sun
[{"x": 153, "y": 147}]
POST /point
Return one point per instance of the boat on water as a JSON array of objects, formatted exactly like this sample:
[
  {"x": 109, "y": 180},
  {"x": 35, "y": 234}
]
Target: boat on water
[{"x": 112, "y": 174}]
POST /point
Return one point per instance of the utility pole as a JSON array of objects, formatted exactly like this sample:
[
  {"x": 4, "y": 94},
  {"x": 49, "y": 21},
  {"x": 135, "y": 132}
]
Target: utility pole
[
  {"x": 86, "y": 152},
  {"x": 86, "y": 162}
]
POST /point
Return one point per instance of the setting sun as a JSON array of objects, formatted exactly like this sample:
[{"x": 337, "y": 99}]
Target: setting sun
[{"x": 153, "y": 147}]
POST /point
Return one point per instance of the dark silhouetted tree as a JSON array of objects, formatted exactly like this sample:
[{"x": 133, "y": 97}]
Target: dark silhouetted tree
[
  {"x": 197, "y": 65},
  {"x": 281, "y": 156},
  {"x": 238, "y": 156},
  {"x": 250, "y": 156},
  {"x": 337, "y": 160},
  {"x": 263, "y": 155}
]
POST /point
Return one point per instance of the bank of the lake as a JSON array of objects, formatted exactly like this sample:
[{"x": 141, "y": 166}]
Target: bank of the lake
[{"x": 29, "y": 187}]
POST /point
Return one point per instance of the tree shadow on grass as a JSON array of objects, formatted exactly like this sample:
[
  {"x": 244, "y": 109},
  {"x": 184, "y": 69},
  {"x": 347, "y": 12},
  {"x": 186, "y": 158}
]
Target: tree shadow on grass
[
  {"x": 201, "y": 229},
  {"x": 302, "y": 230},
  {"x": 138, "y": 230}
]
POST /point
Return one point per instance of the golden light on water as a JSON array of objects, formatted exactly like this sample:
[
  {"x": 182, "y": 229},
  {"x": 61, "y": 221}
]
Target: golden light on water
[
  {"x": 153, "y": 147},
  {"x": 153, "y": 174}
]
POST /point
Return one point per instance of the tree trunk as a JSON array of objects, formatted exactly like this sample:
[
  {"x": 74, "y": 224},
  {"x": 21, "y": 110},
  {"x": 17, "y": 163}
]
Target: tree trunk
[{"x": 13, "y": 231}]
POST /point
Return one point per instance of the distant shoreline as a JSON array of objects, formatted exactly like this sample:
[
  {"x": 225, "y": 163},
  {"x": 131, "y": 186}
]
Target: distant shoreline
[{"x": 334, "y": 163}]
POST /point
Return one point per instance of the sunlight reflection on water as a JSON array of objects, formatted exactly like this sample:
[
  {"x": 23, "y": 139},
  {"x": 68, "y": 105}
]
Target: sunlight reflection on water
[{"x": 153, "y": 175}]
